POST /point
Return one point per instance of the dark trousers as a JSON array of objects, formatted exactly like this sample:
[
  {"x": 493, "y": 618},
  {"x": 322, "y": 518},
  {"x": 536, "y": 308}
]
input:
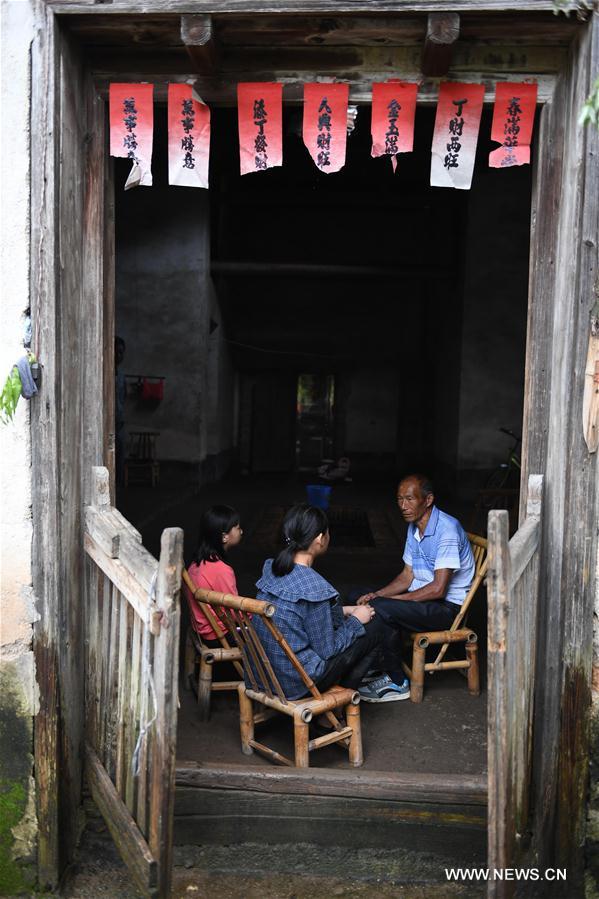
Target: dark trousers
[
  {"x": 431, "y": 615},
  {"x": 349, "y": 667}
]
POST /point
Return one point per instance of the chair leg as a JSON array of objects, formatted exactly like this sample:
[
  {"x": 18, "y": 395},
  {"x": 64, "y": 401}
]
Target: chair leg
[
  {"x": 204, "y": 690},
  {"x": 352, "y": 716},
  {"x": 301, "y": 737},
  {"x": 473, "y": 674},
  {"x": 246, "y": 720},
  {"x": 418, "y": 662},
  {"x": 190, "y": 661}
]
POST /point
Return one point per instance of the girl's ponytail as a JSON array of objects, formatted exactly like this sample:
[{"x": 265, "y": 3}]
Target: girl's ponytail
[{"x": 301, "y": 525}]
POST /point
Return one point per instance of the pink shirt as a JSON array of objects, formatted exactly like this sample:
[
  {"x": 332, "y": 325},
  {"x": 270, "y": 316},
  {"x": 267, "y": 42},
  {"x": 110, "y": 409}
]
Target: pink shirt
[{"x": 217, "y": 576}]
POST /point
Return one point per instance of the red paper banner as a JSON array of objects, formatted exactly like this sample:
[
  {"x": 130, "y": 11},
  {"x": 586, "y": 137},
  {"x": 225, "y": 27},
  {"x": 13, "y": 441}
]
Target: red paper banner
[
  {"x": 456, "y": 133},
  {"x": 513, "y": 119},
  {"x": 260, "y": 113},
  {"x": 393, "y": 112},
  {"x": 325, "y": 124},
  {"x": 132, "y": 129},
  {"x": 188, "y": 137}
]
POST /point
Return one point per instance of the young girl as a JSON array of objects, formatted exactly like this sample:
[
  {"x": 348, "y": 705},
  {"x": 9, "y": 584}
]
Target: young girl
[
  {"x": 219, "y": 531},
  {"x": 335, "y": 645}
]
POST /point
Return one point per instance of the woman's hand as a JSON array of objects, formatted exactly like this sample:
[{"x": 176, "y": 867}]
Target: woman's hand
[
  {"x": 364, "y": 614},
  {"x": 366, "y": 597}
]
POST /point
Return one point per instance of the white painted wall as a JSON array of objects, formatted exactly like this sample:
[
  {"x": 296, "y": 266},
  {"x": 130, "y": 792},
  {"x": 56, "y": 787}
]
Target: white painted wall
[{"x": 16, "y": 602}]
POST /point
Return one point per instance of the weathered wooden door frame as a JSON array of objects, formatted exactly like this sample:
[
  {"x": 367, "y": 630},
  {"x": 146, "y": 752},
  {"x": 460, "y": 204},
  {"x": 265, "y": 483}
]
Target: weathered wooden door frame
[
  {"x": 58, "y": 733},
  {"x": 564, "y": 283}
]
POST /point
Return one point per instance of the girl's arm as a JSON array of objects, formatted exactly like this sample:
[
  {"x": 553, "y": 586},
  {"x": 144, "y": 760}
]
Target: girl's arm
[{"x": 322, "y": 637}]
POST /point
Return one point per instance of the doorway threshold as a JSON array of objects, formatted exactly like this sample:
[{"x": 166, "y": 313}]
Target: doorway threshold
[{"x": 438, "y": 813}]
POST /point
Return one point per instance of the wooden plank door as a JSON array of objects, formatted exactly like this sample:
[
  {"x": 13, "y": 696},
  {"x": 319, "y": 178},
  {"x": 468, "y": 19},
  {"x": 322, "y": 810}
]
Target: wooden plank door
[
  {"x": 513, "y": 591},
  {"x": 132, "y": 643}
]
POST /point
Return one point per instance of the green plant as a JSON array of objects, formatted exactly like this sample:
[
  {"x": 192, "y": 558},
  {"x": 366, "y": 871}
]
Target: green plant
[
  {"x": 10, "y": 395},
  {"x": 589, "y": 114}
]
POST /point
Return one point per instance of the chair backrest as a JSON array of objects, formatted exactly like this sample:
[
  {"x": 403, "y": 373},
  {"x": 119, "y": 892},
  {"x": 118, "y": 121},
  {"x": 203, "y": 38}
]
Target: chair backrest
[
  {"x": 237, "y": 612},
  {"x": 479, "y": 551}
]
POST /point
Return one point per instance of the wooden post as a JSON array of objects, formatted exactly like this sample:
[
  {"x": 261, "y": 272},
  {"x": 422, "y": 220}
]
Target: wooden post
[
  {"x": 166, "y": 655},
  {"x": 302, "y": 739},
  {"x": 197, "y": 33},
  {"x": 500, "y": 848},
  {"x": 352, "y": 716},
  {"x": 442, "y": 31},
  {"x": 246, "y": 720},
  {"x": 417, "y": 683}
]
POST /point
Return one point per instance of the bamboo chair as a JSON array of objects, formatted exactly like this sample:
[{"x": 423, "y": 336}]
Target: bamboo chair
[
  {"x": 458, "y": 633},
  {"x": 208, "y": 656},
  {"x": 266, "y": 690}
]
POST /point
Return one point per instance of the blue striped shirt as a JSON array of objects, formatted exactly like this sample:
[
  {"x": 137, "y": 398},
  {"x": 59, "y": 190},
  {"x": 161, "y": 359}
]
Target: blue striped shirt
[{"x": 444, "y": 544}]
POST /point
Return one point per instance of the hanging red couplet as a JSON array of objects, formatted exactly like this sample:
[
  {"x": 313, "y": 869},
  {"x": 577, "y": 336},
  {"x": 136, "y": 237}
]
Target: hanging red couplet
[
  {"x": 188, "y": 137},
  {"x": 513, "y": 119},
  {"x": 325, "y": 124},
  {"x": 260, "y": 112},
  {"x": 456, "y": 134},
  {"x": 392, "y": 124},
  {"x": 132, "y": 129}
]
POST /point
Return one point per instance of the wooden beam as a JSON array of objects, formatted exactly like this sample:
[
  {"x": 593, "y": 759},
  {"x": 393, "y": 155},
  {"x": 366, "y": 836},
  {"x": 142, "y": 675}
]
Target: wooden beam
[
  {"x": 197, "y": 34},
  {"x": 129, "y": 841},
  {"x": 442, "y": 31},
  {"x": 442, "y": 788},
  {"x": 322, "y": 7}
]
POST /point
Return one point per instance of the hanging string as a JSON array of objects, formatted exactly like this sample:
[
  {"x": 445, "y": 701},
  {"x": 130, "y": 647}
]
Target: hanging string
[{"x": 146, "y": 677}]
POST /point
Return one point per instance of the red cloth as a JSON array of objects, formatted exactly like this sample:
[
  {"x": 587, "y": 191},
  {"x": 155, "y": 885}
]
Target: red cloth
[{"x": 217, "y": 576}]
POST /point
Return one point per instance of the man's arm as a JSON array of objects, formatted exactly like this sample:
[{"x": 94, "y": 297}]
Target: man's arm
[
  {"x": 398, "y": 585},
  {"x": 437, "y": 589}
]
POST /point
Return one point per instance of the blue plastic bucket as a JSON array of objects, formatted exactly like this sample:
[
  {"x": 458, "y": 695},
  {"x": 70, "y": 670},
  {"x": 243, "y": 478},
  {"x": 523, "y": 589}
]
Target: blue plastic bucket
[{"x": 319, "y": 495}]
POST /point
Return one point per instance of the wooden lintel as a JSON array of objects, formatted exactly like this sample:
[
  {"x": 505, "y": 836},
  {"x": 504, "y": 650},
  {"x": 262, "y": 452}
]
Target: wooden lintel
[
  {"x": 442, "y": 32},
  {"x": 197, "y": 34}
]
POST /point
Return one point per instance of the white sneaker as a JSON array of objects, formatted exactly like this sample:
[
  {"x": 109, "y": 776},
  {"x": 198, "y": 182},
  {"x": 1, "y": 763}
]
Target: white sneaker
[{"x": 384, "y": 690}]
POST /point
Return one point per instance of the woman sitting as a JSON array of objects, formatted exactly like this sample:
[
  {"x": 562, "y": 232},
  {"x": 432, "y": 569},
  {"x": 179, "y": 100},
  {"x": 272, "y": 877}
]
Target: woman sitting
[
  {"x": 219, "y": 532},
  {"x": 335, "y": 645}
]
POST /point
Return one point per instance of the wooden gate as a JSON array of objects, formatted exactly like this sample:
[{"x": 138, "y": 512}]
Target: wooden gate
[
  {"x": 132, "y": 651},
  {"x": 512, "y": 589}
]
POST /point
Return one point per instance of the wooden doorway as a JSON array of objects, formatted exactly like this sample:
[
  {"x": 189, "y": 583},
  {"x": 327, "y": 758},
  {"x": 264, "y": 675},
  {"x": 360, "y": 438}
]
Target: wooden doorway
[{"x": 71, "y": 219}]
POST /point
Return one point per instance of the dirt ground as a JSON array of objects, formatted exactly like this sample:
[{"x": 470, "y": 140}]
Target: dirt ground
[{"x": 252, "y": 871}]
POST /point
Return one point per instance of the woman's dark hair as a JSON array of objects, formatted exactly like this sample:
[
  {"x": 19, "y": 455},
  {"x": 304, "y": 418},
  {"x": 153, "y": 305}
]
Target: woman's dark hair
[
  {"x": 214, "y": 522},
  {"x": 301, "y": 525}
]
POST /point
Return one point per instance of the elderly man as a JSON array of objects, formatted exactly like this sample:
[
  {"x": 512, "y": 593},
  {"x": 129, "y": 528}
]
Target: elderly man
[{"x": 438, "y": 571}]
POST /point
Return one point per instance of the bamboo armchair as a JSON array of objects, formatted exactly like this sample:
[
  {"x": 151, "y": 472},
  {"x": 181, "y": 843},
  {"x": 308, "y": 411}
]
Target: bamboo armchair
[
  {"x": 266, "y": 690},
  {"x": 458, "y": 633},
  {"x": 208, "y": 656}
]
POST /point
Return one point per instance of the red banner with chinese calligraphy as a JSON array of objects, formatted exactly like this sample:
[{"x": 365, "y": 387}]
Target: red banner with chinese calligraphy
[
  {"x": 513, "y": 120},
  {"x": 456, "y": 134},
  {"x": 325, "y": 124},
  {"x": 188, "y": 137},
  {"x": 393, "y": 113},
  {"x": 132, "y": 129},
  {"x": 260, "y": 114}
]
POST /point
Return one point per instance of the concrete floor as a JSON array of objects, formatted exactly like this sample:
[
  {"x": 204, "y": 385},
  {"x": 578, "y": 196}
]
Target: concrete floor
[{"x": 446, "y": 733}]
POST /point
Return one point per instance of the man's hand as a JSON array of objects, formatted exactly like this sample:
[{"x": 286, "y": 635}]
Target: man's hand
[
  {"x": 364, "y": 613},
  {"x": 366, "y": 597}
]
